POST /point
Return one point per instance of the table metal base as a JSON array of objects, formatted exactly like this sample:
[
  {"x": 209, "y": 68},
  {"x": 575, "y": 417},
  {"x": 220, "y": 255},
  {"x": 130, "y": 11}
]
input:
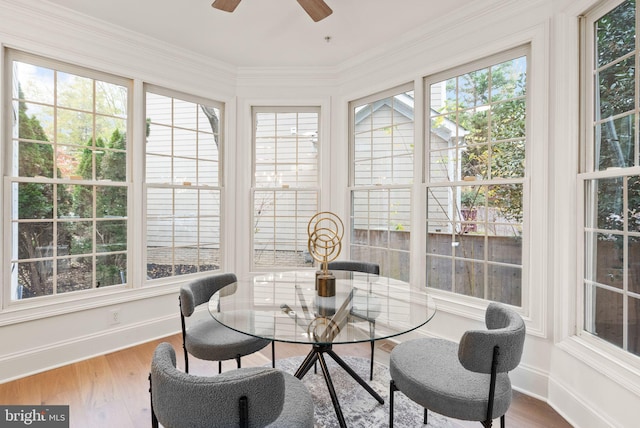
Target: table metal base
[{"x": 316, "y": 354}]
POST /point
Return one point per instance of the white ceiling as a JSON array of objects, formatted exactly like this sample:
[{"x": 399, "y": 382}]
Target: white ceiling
[{"x": 272, "y": 33}]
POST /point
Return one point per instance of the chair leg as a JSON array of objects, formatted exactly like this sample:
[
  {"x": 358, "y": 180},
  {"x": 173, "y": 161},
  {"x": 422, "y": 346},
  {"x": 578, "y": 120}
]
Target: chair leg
[
  {"x": 186, "y": 360},
  {"x": 219, "y": 367},
  {"x": 392, "y": 389},
  {"x": 273, "y": 354},
  {"x": 502, "y": 422},
  {"x": 373, "y": 347},
  {"x": 372, "y": 332},
  {"x": 154, "y": 418},
  {"x": 238, "y": 361},
  {"x": 426, "y": 414}
]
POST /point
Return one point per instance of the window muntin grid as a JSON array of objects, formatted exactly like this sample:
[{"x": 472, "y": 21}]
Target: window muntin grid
[
  {"x": 285, "y": 193},
  {"x": 183, "y": 196},
  {"x": 610, "y": 178},
  {"x": 381, "y": 171},
  {"x": 476, "y": 178},
  {"x": 67, "y": 178}
]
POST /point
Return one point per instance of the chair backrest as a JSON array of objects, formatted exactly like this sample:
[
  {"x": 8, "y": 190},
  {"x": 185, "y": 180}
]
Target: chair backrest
[
  {"x": 199, "y": 291},
  {"x": 180, "y": 399},
  {"x": 505, "y": 329},
  {"x": 354, "y": 266}
]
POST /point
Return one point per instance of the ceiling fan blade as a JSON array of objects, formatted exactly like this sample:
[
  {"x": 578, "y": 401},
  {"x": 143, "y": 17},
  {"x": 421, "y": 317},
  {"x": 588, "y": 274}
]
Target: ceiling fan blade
[
  {"x": 317, "y": 9},
  {"x": 226, "y": 5}
]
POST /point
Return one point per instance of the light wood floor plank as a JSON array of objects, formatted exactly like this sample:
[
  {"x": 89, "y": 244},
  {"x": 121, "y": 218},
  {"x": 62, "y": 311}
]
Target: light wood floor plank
[{"x": 113, "y": 390}]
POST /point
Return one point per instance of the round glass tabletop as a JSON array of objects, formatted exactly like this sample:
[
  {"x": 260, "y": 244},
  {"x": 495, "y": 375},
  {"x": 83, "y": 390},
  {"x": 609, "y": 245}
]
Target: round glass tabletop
[{"x": 286, "y": 307}]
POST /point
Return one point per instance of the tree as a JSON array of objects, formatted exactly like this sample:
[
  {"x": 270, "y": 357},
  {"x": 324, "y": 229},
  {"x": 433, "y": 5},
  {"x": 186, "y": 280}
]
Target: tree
[
  {"x": 35, "y": 201},
  {"x": 491, "y": 106}
]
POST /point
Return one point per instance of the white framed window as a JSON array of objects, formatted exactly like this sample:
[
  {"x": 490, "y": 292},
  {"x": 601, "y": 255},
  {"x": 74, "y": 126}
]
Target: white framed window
[
  {"x": 610, "y": 178},
  {"x": 285, "y": 193},
  {"x": 476, "y": 178},
  {"x": 183, "y": 183},
  {"x": 66, "y": 182},
  {"x": 381, "y": 175}
]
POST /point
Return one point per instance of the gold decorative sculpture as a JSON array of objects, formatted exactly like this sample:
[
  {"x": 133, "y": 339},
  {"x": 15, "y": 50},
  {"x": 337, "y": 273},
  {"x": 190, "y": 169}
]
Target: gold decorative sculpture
[{"x": 325, "y": 231}]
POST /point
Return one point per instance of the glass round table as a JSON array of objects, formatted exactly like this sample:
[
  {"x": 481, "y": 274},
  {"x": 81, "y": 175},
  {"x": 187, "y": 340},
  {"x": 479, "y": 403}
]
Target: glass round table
[{"x": 286, "y": 307}]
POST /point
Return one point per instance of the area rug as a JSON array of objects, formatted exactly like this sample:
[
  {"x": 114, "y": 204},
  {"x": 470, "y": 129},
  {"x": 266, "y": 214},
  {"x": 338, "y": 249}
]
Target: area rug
[{"x": 360, "y": 409}]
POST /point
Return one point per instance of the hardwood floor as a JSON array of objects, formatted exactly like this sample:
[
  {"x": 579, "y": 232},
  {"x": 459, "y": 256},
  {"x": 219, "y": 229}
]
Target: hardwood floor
[{"x": 112, "y": 390}]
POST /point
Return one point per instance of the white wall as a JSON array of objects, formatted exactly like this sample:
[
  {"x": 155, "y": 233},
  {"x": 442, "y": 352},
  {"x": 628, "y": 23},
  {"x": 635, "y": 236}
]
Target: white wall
[{"x": 587, "y": 386}]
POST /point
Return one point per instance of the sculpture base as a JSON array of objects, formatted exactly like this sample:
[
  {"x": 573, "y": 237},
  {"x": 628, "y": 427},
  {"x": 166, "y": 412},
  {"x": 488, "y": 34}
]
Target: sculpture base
[{"x": 326, "y": 285}]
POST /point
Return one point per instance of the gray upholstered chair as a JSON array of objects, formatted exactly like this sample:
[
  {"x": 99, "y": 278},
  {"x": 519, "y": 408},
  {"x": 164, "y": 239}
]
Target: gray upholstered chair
[
  {"x": 467, "y": 381},
  {"x": 364, "y": 267},
  {"x": 247, "y": 397},
  {"x": 208, "y": 339}
]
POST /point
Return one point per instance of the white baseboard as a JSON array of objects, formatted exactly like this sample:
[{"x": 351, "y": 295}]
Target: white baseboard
[
  {"x": 36, "y": 360},
  {"x": 573, "y": 408}
]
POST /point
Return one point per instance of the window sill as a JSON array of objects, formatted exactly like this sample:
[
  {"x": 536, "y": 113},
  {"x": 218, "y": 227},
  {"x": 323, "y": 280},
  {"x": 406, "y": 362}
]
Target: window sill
[
  {"x": 25, "y": 311},
  {"x": 621, "y": 367}
]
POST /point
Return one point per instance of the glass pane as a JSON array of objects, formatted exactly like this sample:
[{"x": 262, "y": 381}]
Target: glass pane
[
  {"x": 209, "y": 258},
  {"x": 443, "y": 165},
  {"x": 111, "y": 99},
  {"x": 508, "y": 120},
  {"x": 35, "y": 200},
  {"x": 186, "y": 203},
  {"x": 185, "y": 143},
  {"x": 475, "y": 163},
  {"x": 440, "y": 204},
  {"x": 113, "y": 166},
  {"x": 607, "y": 313},
  {"x": 113, "y": 131},
  {"x": 439, "y": 273},
  {"x": 440, "y": 244},
  {"x": 505, "y": 249},
  {"x": 615, "y": 143},
  {"x": 184, "y": 170},
  {"x": 185, "y": 114},
  {"x": 633, "y": 264},
  {"x": 158, "y": 109},
  {"x": 505, "y": 205},
  {"x": 609, "y": 261},
  {"x": 35, "y": 160},
  {"x": 209, "y": 119},
  {"x": 159, "y": 263},
  {"x": 35, "y": 240},
  {"x": 470, "y": 247},
  {"x": 617, "y": 88},
  {"x": 209, "y": 203},
  {"x": 74, "y": 91},
  {"x": 75, "y": 237},
  {"x": 111, "y": 201},
  {"x": 35, "y": 279},
  {"x": 633, "y": 203},
  {"x": 35, "y": 122},
  {"x": 34, "y": 82},
  {"x": 634, "y": 326},
  {"x": 473, "y": 126},
  {"x": 209, "y": 231},
  {"x": 159, "y": 233},
  {"x": 473, "y": 89},
  {"x": 159, "y": 140},
  {"x": 609, "y": 203},
  {"x": 508, "y": 79},
  {"x": 74, "y": 127},
  {"x": 505, "y": 284},
  {"x": 207, "y": 146},
  {"x": 507, "y": 159},
  {"x": 469, "y": 278},
  {"x": 111, "y": 270},
  {"x": 158, "y": 169},
  {"x": 82, "y": 206},
  {"x": 75, "y": 274},
  {"x": 111, "y": 236}
]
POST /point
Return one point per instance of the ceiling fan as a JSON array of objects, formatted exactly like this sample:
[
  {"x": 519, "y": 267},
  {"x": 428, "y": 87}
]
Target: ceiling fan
[{"x": 316, "y": 9}]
